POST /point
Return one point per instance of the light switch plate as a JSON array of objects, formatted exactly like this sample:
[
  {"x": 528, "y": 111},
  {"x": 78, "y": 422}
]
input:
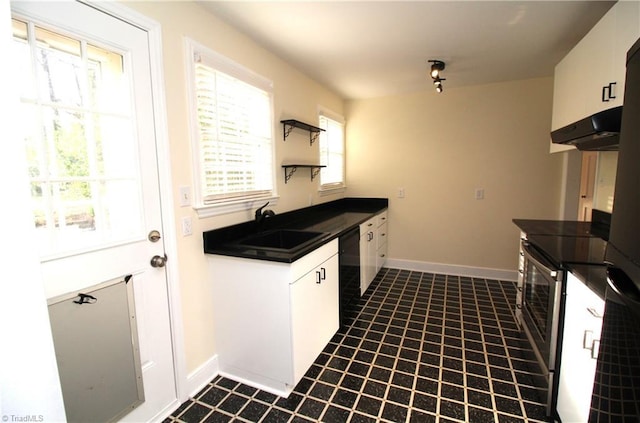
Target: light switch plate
[{"x": 185, "y": 196}]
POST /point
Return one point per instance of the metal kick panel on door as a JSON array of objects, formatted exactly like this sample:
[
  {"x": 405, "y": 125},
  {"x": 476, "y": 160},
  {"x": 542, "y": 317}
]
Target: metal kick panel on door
[{"x": 96, "y": 343}]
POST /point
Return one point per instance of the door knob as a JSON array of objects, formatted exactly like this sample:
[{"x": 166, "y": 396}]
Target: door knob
[{"x": 158, "y": 261}]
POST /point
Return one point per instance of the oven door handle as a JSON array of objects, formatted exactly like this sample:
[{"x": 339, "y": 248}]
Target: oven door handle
[{"x": 531, "y": 254}]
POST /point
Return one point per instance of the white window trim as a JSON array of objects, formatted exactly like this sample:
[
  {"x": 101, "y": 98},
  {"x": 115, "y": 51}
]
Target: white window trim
[
  {"x": 234, "y": 69},
  {"x": 330, "y": 189}
]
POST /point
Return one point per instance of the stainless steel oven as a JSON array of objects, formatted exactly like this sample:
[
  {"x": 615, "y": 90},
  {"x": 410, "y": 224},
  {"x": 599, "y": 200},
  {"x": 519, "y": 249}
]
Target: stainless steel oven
[{"x": 539, "y": 305}]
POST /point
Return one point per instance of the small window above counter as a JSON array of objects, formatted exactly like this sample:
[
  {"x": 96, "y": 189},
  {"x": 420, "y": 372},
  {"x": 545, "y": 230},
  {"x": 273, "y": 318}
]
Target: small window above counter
[{"x": 289, "y": 124}]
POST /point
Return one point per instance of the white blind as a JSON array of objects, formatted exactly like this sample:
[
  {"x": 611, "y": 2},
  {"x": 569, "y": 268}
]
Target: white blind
[
  {"x": 235, "y": 135},
  {"x": 331, "y": 152}
]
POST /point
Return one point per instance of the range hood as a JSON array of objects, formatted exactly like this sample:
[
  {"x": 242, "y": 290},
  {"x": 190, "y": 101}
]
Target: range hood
[{"x": 599, "y": 132}]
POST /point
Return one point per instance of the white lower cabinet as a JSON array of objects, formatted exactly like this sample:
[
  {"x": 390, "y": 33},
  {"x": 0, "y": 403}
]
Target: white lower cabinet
[
  {"x": 367, "y": 254},
  {"x": 273, "y": 319},
  {"x": 581, "y": 338},
  {"x": 314, "y": 314},
  {"x": 373, "y": 248}
]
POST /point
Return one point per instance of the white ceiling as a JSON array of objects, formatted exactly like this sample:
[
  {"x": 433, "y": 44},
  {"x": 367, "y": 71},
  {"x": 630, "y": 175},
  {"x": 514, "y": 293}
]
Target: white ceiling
[{"x": 364, "y": 49}]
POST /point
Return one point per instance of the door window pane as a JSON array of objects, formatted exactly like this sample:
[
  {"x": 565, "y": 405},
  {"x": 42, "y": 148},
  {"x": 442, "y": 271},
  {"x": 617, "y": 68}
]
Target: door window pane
[
  {"x": 58, "y": 68},
  {"x": 79, "y": 139}
]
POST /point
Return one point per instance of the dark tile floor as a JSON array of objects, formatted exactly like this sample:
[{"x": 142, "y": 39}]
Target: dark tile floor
[{"x": 418, "y": 347}]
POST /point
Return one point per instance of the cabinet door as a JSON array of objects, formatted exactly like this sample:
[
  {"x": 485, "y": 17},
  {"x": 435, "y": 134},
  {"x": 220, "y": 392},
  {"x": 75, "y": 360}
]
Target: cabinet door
[
  {"x": 372, "y": 251},
  {"x": 598, "y": 72},
  {"x": 367, "y": 254},
  {"x": 581, "y": 334},
  {"x": 568, "y": 90},
  {"x": 627, "y": 31},
  {"x": 593, "y": 64},
  {"x": 314, "y": 314}
]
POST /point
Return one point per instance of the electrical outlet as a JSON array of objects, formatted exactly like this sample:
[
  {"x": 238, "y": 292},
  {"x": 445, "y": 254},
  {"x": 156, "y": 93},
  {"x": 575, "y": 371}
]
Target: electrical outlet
[
  {"x": 400, "y": 192},
  {"x": 479, "y": 193},
  {"x": 187, "y": 227}
]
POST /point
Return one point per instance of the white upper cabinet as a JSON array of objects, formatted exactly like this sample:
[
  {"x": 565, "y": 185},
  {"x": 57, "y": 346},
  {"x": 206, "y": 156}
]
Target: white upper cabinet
[
  {"x": 591, "y": 76},
  {"x": 627, "y": 31}
]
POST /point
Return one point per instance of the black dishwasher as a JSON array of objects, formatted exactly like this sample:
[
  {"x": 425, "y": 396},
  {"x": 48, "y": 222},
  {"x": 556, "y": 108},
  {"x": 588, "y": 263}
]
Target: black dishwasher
[{"x": 349, "y": 273}]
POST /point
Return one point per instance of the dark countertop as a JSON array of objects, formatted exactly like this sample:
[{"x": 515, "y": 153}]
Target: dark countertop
[
  {"x": 554, "y": 227},
  {"x": 598, "y": 227},
  {"x": 564, "y": 250},
  {"x": 333, "y": 218},
  {"x": 577, "y": 246}
]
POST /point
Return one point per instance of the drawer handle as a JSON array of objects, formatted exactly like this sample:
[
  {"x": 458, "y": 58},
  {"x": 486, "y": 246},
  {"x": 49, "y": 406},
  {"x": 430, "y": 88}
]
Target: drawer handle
[
  {"x": 86, "y": 299},
  {"x": 318, "y": 277},
  {"x": 323, "y": 273},
  {"x": 606, "y": 93},
  {"x": 594, "y": 312},
  {"x": 595, "y": 347},
  {"x": 587, "y": 339}
]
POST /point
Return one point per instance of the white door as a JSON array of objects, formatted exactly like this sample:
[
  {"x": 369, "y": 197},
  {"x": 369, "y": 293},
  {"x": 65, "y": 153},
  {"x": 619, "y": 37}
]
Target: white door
[{"x": 88, "y": 132}]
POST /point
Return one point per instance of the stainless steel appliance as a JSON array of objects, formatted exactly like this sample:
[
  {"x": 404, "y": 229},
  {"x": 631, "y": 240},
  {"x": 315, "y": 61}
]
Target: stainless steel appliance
[
  {"x": 598, "y": 132},
  {"x": 548, "y": 256},
  {"x": 616, "y": 395},
  {"x": 540, "y": 307}
]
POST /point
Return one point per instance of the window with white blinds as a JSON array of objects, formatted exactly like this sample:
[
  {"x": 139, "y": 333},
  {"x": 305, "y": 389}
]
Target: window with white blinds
[
  {"x": 331, "y": 153},
  {"x": 234, "y": 130}
]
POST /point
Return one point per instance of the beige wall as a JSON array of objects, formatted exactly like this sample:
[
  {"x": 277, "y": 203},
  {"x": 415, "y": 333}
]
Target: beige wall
[
  {"x": 295, "y": 96},
  {"x": 440, "y": 148}
]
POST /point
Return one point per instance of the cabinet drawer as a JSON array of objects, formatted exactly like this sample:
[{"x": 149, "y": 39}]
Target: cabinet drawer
[
  {"x": 367, "y": 226},
  {"x": 381, "y": 236},
  {"x": 303, "y": 265},
  {"x": 381, "y": 218},
  {"x": 381, "y": 257}
]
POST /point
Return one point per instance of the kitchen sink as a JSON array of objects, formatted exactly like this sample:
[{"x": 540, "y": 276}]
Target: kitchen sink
[{"x": 281, "y": 239}]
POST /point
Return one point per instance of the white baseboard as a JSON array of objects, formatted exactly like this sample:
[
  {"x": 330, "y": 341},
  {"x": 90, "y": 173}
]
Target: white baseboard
[
  {"x": 199, "y": 378},
  {"x": 257, "y": 381},
  {"x": 452, "y": 269}
]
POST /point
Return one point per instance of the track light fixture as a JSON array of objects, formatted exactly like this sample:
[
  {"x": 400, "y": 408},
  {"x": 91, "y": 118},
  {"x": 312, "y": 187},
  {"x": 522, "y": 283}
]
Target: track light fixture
[{"x": 437, "y": 66}]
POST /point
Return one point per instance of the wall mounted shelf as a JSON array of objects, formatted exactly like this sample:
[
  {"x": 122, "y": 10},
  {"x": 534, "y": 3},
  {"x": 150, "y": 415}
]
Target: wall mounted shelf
[
  {"x": 290, "y": 169},
  {"x": 289, "y": 124}
]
